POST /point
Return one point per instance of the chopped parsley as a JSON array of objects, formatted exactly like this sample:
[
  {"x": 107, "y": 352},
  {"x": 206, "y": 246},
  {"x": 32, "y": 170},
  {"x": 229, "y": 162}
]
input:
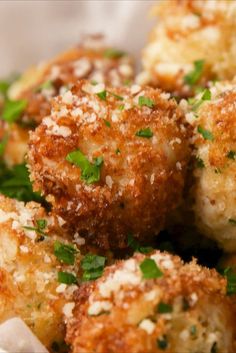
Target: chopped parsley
[
  {"x": 15, "y": 183},
  {"x": 4, "y": 86},
  {"x": 102, "y": 95},
  {"x": 146, "y": 133},
  {"x": 47, "y": 85},
  {"x": 206, "y": 134},
  {"x": 12, "y": 109},
  {"x": 214, "y": 348},
  {"x": 65, "y": 252},
  {"x": 146, "y": 101},
  {"x": 93, "y": 266},
  {"x": 196, "y": 103},
  {"x": 107, "y": 123},
  {"x": 121, "y": 107},
  {"x": 112, "y": 53},
  {"x": 162, "y": 343},
  {"x": 134, "y": 244},
  {"x": 41, "y": 224},
  {"x": 90, "y": 173},
  {"x": 200, "y": 163},
  {"x": 164, "y": 308},
  {"x": 193, "y": 330},
  {"x": 66, "y": 277},
  {"x": 232, "y": 221},
  {"x": 150, "y": 269},
  {"x": 119, "y": 98},
  {"x": 117, "y": 151},
  {"x": 194, "y": 76},
  {"x": 231, "y": 155},
  {"x": 3, "y": 143},
  {"x": 230, "y": 275},
  {"x": 185, "y": 304}
]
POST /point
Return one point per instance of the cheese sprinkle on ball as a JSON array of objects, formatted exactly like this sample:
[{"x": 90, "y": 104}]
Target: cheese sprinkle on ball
[
  {"x": 111, "y": 161},
  {"x": 152, "y": 304}
]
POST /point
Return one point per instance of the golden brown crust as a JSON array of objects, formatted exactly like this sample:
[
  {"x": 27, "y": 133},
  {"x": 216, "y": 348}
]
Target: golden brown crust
[
  {"x": 187, "y": 31},
  {"x": 29, "y": 287},
  {"x": 139, "y": 184},
  {"x": 118, "y": 312}
]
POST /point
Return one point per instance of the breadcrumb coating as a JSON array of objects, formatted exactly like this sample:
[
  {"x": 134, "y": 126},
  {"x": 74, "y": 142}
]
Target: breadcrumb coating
[
  {"x": 29, "y": 286},
  {"x": 92, "y": 60},
  {"x": 214, "y": 190},
  {"x": 185, "y": 309},
  {"x": 188, "y": 31},
  {"x": 139, "y": 137}
]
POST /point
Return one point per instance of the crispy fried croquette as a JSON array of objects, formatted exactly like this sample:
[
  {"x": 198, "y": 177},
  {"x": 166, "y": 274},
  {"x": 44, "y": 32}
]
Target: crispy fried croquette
[
  {"x": 192, "y": 43},
  {"x": 92, "y": 59},
  {"x": 30, "y": 287},
  {"x": 111, "y": 161},
  {"x": 153, "y": 303},
  {"x": 214, "y": 190}
]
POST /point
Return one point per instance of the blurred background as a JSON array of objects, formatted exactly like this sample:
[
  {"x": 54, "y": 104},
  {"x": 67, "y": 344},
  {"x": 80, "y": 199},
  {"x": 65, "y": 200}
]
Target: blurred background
[{"x": 34, "y": 30}]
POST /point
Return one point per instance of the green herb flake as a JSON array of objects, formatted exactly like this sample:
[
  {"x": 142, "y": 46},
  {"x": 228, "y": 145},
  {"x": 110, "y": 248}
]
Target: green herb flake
[
  {"x": 134, "y": 244},
  {"x": 164, "y": 308},
  {"x": 102, "y": 95},
  {"x": 232, "y": 221},
  {"x": 146, "y": 133},
  {"x": 200, "y": 163},
  {"x": 193, "y": 330},
  {"x": 121, "y": 107},
  {"x": 15, "y": 183},
  {"x": 150, "y": 269},
  {"x": 214, "y": 348},
  {"x": 116, "y": 96},
  {"x": 206, "y": 134},
  {"x": 4, "y": 86},
  {"x": 194, "y": 76},
  {"x": 185, "y": 304},
  {"x": 39, "y": 229},
  {"x": 112, "y": 53},
  {"x": 65, "y": 252},
  {"x": 230, "y": 275},
  {"x": 90, "y": 173},
  {"x": 146, "y": 101},
  {"x": 66, "y": 277},
  {"x": 162, "y": 343},
  {"x": 107, "y": 123},
  {"x": 3, "y": 144},
  {"x": 197, "y": 103},
  {"x": 117, "y": 151},
  {"x": 93, "y": 266},
  {"x": 13, "y": 109},
  {"x": 47, "y": 85},
  {"x": 231, "y": 155}
]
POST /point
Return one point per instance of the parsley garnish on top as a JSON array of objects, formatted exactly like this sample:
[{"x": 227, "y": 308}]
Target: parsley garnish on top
[
  {"x": 12, "y": 109},
  {"x": 231, "y": 155},
  {"x": 47, "y": 85},
  {"x": 90, "y": 173},
  {"x": 194, "y": 76},
  {"x": 164, "y": 308},
  {"x": 134, "y": 244},
  {"x": 65, "y": 252},
  {"x": 146, "y": 101},
  {"x": 162, "y": 343},
  {"x": 3, "y": 143},
  {"x": 196, "y": 103},
  {"x": 41, "y": 224},
  {"x": 102, "y": 95},
  {"x": 230, "y": 275},
  {"x": 112, "y": 53},
  {"x": 150, "y": 269},
  {"x": 146, "y": 133},
  {"x": 66, "y": 277},
  {"x": 200, "y": 163},
  {"x": 15, "y": 183},
  {"x": 93, "y": 266},
  {"x": 206, "y": 134}
]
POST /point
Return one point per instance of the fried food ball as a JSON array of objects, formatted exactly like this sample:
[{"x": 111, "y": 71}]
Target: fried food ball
[
  {"x": 214, "y": 139},
  {"x": 193, "y": 42},
  {"x": 153, "y": 303},
  {"x": 111, "y": 161},
  {"x": 92, "y": 59},
  {"x": 29, "y": 270}
]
